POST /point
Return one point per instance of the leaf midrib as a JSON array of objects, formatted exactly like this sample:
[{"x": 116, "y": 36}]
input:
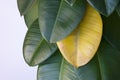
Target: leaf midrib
[
  {"x": 100, "y": 70},
  {"x": 61, "y": 69},
  {"x": 77, "y": 44},
  {"x": 56, "y": 19},
  {"x": 36, "y": 49}
]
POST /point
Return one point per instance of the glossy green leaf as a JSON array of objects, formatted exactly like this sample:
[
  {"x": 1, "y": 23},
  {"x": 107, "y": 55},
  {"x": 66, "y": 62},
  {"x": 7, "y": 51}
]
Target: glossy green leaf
[
  {"x": 35, "y": 48},
  {"x": 57, "y": 18},
  {"x": 24, "y": 5},
  {"x": 49, "y": 70},
  {"x": 56, "y": 68},
  {"x": 118, "y": 9},
  {"x": 104, "y": 66},
  {"x": 32, "y": 14},
  {"x": 105, "y": 7},
  {"x": 112, "y": 29}
]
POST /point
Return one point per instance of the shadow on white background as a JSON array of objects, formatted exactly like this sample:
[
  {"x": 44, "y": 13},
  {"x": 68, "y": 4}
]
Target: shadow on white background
[{"x": 12, "y": 33}]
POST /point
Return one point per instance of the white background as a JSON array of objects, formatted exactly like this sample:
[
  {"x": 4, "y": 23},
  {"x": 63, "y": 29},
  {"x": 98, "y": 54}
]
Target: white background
[{"x": 12, "y": 32}]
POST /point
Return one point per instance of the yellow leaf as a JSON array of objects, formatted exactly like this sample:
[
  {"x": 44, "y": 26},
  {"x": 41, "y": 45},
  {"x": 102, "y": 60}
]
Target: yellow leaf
[{"x": 81, "y": 45}]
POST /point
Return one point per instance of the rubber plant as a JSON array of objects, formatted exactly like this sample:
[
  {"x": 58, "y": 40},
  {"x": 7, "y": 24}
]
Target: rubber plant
[{"x": 72, "y": 39}]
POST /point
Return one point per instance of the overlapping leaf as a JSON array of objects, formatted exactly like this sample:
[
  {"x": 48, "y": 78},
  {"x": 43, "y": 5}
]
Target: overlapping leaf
[
  {"x": 32, "y": 14},
  {"x": 106, "y": 7},
  {"x": 81, "y": 45},
  {"x": 57, "y": 18},
  {"x": 35, "y": 48},
  {"x": 56, "y": 68},
  {"x": 24, "y": 5},
  {"x": 112, "y": 29},
  {"x": 104, "y": 66}
]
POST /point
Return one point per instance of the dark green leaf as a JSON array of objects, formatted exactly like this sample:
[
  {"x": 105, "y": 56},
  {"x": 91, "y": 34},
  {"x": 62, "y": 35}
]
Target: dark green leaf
[
  {"x": 112, "y": 29},
  {"x": 32, "y": 14},
  {"x": 104, "y": 66},
  {"x": 24, "y": 5},
  {"x": 35, "y": 48},
  {"x": 57, "y": 18},
  {"x": 49, "y": 70},
  {"x": 118, "y": 9},
  {"x": 108, "y": 61},
  {"x": 105, "y": 7},
  {"x": 57, "y": 68}
]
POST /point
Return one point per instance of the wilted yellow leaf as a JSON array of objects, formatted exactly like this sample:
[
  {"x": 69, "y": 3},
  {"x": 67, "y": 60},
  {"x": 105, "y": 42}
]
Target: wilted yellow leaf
[{"x": 81, "y": 45}]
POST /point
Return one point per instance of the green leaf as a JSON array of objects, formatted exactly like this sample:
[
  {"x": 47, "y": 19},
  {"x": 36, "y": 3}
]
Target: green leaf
[
  {"x": 24, "y": 5},
  {"x": 49, "y": 70},
  {"x": 118, "y": 9},
  {"x": 112, "y": 29},
  {"x": 108, "y": 61},
  {"x": 105, "y": 7},
  {"x": 104, "y": 66},
  {"x": 35, "y": 48},
  {"x": 57, "y": 18},
  {"x": 32, "y": 14},
  {"x": 56, "y": 68}
]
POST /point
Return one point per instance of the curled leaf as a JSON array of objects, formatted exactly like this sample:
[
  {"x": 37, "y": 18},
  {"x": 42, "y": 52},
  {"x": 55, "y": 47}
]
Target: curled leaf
[{"x": 81, "y": 45}]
